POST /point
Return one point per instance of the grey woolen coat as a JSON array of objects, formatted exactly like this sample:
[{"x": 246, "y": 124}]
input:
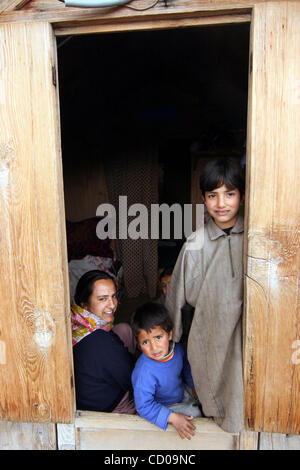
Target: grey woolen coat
[{"x": 211, "y": 280}]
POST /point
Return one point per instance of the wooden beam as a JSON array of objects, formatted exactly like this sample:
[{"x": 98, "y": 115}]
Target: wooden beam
[
  {"x": 56, "y": 13},
  {"x": 11, "y": 5},
  {"x": 167, "y": 23},
  {"x": 272, "y": 315}
]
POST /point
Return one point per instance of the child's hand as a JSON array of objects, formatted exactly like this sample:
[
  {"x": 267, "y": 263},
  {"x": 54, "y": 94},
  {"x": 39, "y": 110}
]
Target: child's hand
[{"x": 182, "y": 424}]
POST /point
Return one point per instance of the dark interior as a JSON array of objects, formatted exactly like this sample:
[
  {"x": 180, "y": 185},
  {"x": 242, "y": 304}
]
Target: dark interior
[
  {"x": 179, "y": 87},
  {"x": 186, "y": 89}
]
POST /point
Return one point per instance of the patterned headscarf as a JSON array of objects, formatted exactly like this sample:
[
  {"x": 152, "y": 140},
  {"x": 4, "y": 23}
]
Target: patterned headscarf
[{"x": 85, "y": 322}]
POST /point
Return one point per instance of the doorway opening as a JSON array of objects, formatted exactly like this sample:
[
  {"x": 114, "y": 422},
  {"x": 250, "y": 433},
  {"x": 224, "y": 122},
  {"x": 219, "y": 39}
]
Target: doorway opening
[{"x": 141, "y": 113}]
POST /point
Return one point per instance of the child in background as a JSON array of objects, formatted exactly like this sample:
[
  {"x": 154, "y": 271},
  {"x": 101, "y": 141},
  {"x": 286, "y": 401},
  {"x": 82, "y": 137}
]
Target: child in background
[
  {"x": 164, "y": 281},
  {"x": 159, "y": 391},
  {"x": 165, "y": 278},
  {"x": 187, "y": 310},
  {"x": 210, "y": 279}
]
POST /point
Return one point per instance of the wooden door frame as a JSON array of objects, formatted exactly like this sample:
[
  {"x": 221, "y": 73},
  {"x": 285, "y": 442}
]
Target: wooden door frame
[
  {"x": 208, "y": 18},
  {"x": 62, "y": 26},
  {"x": 144, "y": 25},
  {"x": 67, "y": 437}
]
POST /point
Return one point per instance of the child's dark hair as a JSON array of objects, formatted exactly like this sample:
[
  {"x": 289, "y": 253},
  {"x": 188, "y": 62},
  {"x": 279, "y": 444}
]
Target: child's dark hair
[
  {"x": 148, "y": 316},
  {"x": 227, "y": 171},
  {"x": 166, "y": 272},
  {"x": 85, "y": 285}
]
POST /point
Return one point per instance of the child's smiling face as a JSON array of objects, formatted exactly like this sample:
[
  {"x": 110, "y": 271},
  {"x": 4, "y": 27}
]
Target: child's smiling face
[
  {"x": 223, "y": 205},
  {"x": 155, "y": 343}
]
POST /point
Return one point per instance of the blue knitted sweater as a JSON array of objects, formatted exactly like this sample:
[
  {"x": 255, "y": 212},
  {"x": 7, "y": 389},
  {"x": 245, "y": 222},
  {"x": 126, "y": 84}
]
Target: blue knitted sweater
[{"x": 159, "y": 384}]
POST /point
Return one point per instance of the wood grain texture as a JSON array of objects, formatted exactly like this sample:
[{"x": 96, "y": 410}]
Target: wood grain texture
[
  {"x": 65, "y": 436},
  {"x": 11, "y": 5},
  {"x": 272, "y": 314},
  {"x": 27, "y": 436},
  {"x": 112, "y": 431},
  {"x": 35, "y": 385},
  {"x": 37, "y": 371},
  {"x": 57, "y": 13},
  {"x": 274, "y": 441},
  {"x": 93, "y": 27}
]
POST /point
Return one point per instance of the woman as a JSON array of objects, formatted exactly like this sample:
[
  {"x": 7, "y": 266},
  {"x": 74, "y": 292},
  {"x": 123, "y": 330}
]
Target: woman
[{"x": 103, "y": 354}]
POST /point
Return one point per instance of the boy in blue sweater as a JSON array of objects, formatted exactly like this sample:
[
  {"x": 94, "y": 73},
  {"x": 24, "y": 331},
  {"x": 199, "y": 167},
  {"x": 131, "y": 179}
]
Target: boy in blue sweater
[{"x": 160, "y": 394}]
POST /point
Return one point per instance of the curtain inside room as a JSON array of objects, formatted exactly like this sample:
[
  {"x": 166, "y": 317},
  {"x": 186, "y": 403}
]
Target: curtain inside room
[{"x": 132, "y": 170}]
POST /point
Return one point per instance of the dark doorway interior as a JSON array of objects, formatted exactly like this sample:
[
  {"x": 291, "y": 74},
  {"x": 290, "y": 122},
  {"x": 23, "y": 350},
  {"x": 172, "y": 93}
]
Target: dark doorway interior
[{"x": 185, "y": 90}]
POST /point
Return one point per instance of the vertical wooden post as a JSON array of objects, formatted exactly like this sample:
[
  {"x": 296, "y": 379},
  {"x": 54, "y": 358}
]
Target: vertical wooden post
[
  {"x": 36, "y": 370},
  {"x": 272, "y": 376}
]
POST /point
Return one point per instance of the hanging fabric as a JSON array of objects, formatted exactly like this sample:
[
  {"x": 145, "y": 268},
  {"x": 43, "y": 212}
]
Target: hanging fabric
[{"x": 132, "y": 171}]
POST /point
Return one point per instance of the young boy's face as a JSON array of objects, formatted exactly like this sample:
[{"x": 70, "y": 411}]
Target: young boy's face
[
  {"x": 223, "y": 205},
  {"x": 155, "y": 343}
]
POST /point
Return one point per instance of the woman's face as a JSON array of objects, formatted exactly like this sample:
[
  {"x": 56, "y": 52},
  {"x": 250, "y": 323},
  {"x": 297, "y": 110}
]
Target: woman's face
[{"x": 103, "y": 300}]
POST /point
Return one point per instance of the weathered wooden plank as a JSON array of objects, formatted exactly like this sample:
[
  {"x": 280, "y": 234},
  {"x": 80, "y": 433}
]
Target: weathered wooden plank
[
  {"x": 167, "y": 23},
  {"x": 11, "y": 5},
  {"x": 27, "y": 436},
  {"x": 248, "y": 440},
  {"x": 272, "y": 271},
  {"x": 66, "y": 436},
  {"x": 36, "y": 374},
  {"x": 111, "y": 431},
  {"x": 273, "y": 441},
  {"x": 55, "y": 11}
]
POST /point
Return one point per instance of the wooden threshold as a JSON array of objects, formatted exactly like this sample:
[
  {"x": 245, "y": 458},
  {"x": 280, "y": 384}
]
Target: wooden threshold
[{"x": 112, "y": 431}]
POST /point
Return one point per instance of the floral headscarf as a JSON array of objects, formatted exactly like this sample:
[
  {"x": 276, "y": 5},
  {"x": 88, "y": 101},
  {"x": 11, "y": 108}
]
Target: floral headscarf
[{"x": 85, "y": 322}]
